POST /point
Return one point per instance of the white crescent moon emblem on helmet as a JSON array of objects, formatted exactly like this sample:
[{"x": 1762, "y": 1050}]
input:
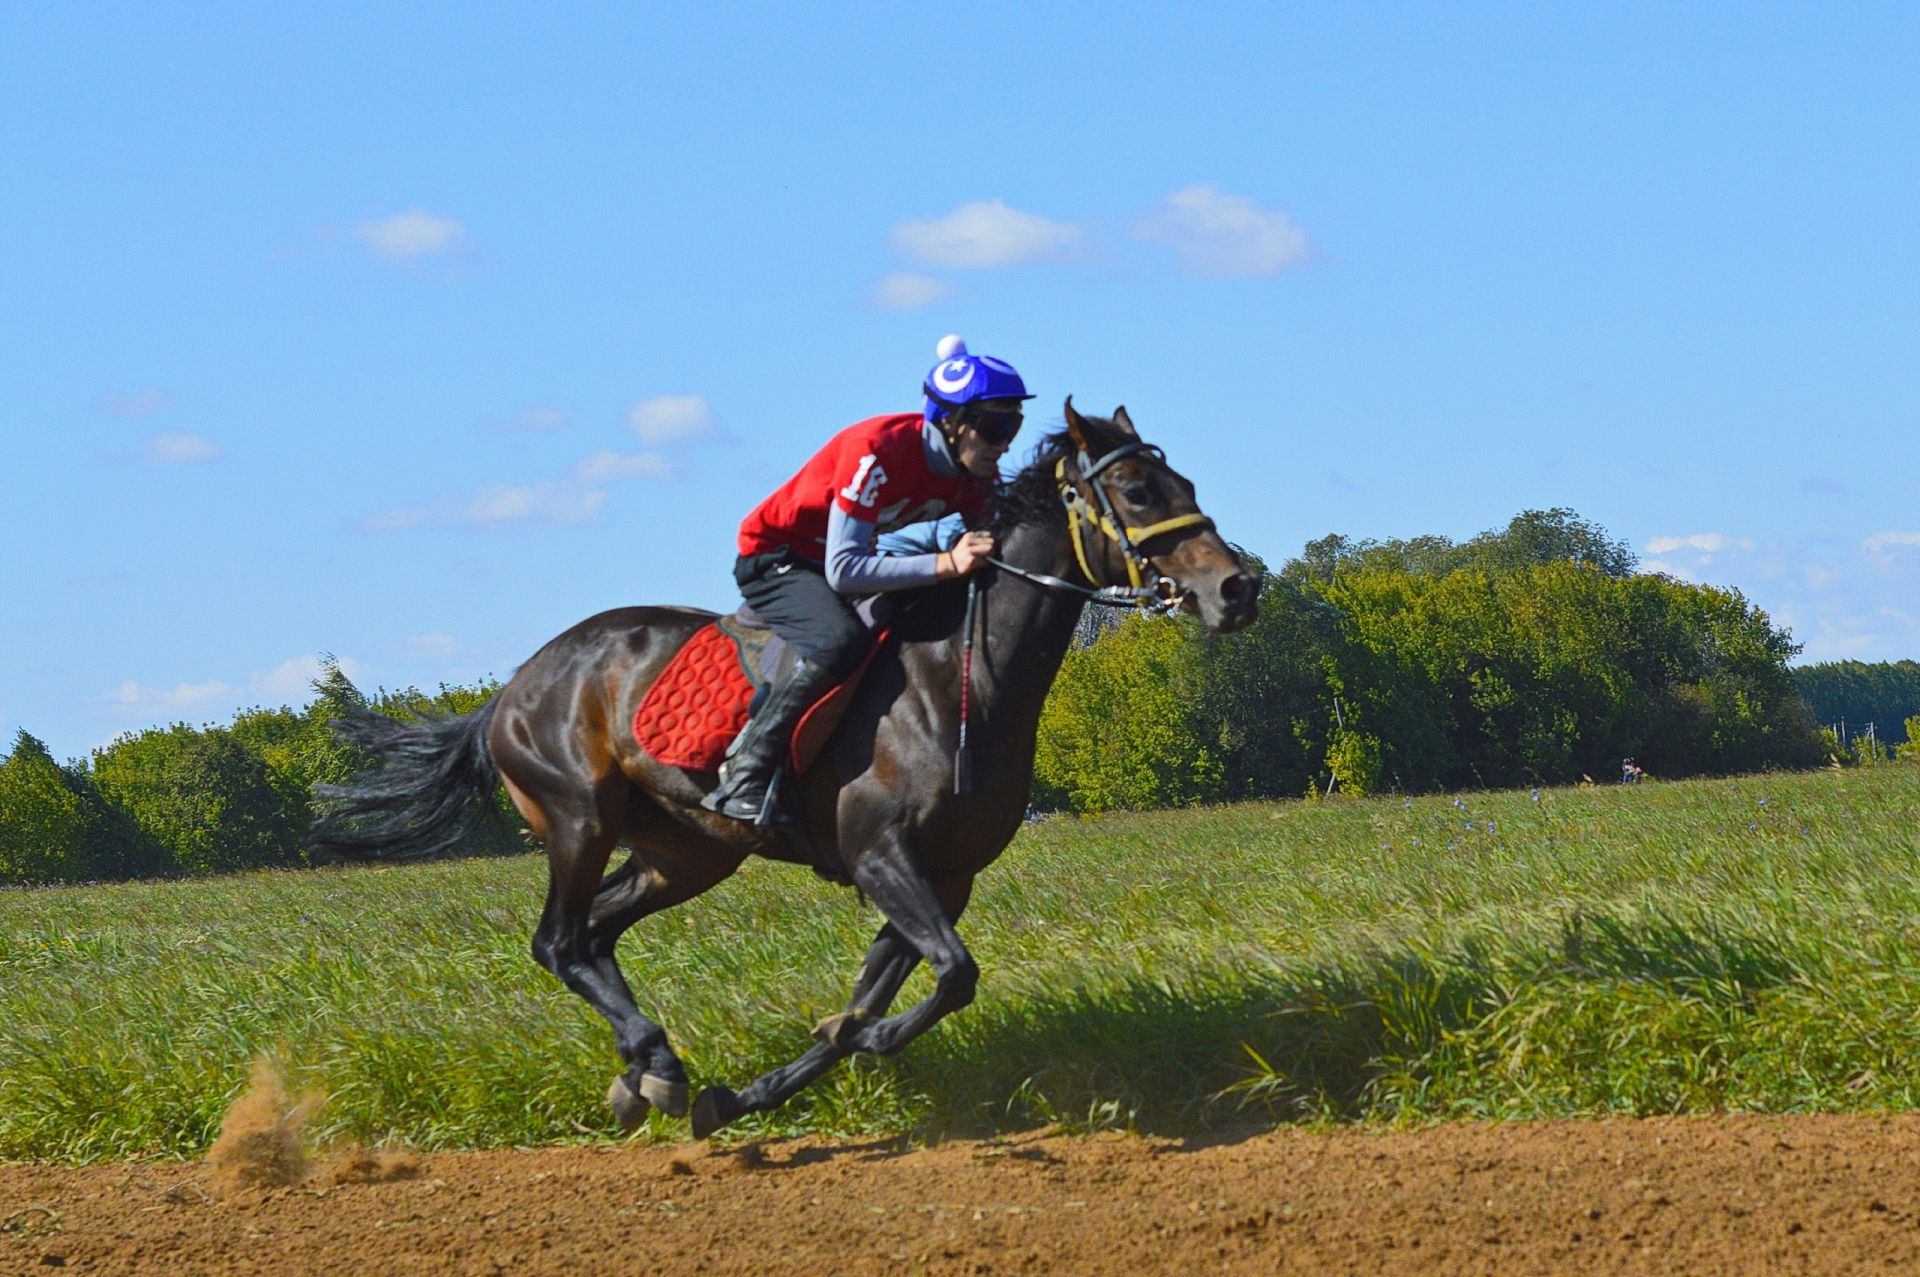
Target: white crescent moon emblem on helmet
[{"x": 952, "y": 375}]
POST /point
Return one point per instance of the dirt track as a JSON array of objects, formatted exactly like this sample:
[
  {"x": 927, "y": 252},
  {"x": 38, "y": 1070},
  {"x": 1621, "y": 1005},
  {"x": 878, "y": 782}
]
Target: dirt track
[{"x": 1722, "y": 1195}]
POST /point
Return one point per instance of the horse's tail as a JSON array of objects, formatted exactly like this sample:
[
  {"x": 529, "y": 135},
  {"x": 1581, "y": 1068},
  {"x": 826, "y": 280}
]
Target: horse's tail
[{"x": 432, "y": 780}]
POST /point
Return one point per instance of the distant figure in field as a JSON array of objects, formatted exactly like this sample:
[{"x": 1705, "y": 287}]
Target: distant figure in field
[{"x": 1631, "y": 773}]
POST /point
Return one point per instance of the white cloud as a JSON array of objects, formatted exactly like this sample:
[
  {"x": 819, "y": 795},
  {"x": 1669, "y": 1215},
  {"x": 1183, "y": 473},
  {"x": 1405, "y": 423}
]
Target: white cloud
[
  {"x": 575, "y": 497},
  {"x": 671, "y": 418},
  {"x": 1666, "y": 568},
  {"x": 410, "y": 236},
  {"x": 171, "y": 447},
  {"x": 606, "y": 464},
  {"x": 1705, "y": 542},
  {"x": 983, "y": 235},
  {"x": 143, "y": 402},
  {"x": 1881, "y": 542},
  {"x": 1218, "y": 234},
  {"x": 396, "y": 519},
  {"x": 182, "y": 696},
  {"x": 290, "y": 680},
  {"x": 547, "y": 501},
  {"x": 903, "y": 290},
  {"x": 293, "y": 678},
  {"x": 438, "y": 643},
  {"x": 496, "y": 505},
  {"x": 537, "y": 418},
  {"x": 1849, "y": 636}
]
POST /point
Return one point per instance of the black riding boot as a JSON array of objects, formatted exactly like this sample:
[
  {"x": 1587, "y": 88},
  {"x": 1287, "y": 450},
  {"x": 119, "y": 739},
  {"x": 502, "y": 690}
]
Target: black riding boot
[{"x": 758, "y": 753}]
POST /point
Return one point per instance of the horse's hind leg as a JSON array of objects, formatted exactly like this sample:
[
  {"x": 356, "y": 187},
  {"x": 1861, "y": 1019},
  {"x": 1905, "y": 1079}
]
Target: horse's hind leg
[
  {"x": 668, "y": 866},
  {"x": 580, "y": 825}
]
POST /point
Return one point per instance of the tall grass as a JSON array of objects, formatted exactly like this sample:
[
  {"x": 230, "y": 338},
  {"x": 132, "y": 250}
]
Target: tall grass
[{"x": 1666, "y": 948}]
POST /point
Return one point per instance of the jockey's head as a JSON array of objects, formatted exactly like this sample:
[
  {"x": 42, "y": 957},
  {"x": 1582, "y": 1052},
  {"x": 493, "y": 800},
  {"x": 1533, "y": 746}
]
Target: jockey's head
[{"x": 975, "y": 402}]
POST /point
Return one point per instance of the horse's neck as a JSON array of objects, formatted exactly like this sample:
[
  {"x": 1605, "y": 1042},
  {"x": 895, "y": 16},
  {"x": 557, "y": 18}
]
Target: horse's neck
[{"x": 1026, "y": 628}]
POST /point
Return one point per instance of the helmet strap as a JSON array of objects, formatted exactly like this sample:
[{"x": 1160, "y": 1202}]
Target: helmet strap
[{"x": 952, "y": 424}]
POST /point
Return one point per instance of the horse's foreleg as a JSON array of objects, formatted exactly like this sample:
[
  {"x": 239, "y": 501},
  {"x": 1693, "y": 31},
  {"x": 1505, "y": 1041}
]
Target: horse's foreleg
[
  {"x": 888, "y": 964},
  {"x": 923, "y": 913},
  {"x": 889, "y": 961}
]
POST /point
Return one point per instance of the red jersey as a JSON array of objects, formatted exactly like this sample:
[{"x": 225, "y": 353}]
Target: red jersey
[{"x": 876, "y": 471}]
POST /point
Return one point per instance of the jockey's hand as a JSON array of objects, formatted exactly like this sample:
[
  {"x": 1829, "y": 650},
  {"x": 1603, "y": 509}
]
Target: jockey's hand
[{"x": 969, "y": 553}]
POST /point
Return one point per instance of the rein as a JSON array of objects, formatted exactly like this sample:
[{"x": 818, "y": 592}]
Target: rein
[
  {"x": 1082, "y": 516},
  {"x": 1161, "y": 596},
  {"x": 1105, "y": 596}
]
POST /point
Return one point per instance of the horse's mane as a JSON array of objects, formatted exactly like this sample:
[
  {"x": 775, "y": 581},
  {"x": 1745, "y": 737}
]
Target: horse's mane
[
  {"x": 1030, "y": 498},
  {"x": 1033, "y": 495}
]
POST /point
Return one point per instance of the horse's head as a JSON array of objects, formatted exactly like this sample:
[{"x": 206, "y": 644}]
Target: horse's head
[{"x": 1134, "y": 522}]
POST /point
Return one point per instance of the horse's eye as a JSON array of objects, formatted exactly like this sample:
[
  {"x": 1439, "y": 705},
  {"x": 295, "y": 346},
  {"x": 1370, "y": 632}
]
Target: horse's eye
[{"x": 1137, "y": 493}]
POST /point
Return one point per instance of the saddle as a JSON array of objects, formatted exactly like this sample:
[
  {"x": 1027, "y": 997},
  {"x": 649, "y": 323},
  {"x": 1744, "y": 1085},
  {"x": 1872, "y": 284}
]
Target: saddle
[{"x": 702, "y": 698}]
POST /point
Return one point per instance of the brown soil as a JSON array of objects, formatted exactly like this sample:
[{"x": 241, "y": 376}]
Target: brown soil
[{"x": 1731, "y": 1194}]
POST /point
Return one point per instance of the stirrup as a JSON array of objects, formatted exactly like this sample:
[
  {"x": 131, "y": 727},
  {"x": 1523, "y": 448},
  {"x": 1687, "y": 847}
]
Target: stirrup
[
  {"x": 763, "y": 817},
  {"x": 768, "y": 815}
]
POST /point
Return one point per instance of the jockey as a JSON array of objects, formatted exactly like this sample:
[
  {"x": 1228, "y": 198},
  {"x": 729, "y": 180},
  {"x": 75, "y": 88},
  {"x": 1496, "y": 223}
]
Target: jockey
[{"x": 810, "y": 547}]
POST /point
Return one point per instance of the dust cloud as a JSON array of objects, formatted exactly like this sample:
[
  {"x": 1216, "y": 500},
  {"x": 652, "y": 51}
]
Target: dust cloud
[{"x": 259, "y": 1145}]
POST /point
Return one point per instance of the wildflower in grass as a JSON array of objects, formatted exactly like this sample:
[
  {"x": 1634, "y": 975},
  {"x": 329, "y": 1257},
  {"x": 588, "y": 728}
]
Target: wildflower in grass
[
  {"x": 1763, "y": 802},
  {"x": 1489, "y": 827},
  {"x": 1536, "y": 795},
  {"x": 1416, "y": 842},
  {"x": 1457, "y": 803},
  {"x": 1752, "y": 826},
  {"x": 1469, "y": 826}
]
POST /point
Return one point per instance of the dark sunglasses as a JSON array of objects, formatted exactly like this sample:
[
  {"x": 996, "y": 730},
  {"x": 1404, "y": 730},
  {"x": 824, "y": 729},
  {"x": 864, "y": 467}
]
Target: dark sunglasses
[{"x": 996, "y": 427}]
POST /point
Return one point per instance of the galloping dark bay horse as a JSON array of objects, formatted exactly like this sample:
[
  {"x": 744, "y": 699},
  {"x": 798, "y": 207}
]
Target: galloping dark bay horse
[{"x": 1095, "y": 508}]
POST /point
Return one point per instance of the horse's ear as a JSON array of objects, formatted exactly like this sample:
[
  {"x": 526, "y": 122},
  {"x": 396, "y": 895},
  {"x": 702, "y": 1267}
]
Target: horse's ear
[
  {"x": 1122, "y": 420},
  {"x": 1076, "y": 427}
]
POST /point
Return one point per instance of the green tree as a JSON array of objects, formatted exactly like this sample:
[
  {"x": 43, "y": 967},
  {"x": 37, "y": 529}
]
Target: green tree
[
  {"x": 1258, "y": 698},
  {"x": 1884, "y": 693},
  {"x": 44, "y": 823},
  {"x": 205, "y": 797},
  {"x": 1116, "y": 733}
]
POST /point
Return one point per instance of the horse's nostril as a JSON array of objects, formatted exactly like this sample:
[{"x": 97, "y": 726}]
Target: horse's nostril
[{"x": 1238, "y": 589}]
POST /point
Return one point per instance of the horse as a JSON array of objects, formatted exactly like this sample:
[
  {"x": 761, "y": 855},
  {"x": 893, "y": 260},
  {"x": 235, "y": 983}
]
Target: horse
[{"x": 1094, "y": 507}]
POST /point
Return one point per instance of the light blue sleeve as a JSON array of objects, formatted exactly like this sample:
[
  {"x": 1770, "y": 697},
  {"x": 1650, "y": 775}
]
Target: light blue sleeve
[{"x": 853, "y": 567}]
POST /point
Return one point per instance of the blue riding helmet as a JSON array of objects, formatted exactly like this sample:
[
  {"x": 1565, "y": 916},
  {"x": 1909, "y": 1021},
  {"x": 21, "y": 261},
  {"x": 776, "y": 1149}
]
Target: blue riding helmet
[{"x": 960, "y": 379}]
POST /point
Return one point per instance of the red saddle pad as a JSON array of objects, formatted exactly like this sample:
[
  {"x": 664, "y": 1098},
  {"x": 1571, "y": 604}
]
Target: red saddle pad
[{"x": 699, "y": 704}]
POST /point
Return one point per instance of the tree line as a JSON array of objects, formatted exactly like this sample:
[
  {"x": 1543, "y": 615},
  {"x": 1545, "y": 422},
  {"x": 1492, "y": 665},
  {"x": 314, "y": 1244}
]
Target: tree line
[
  {"x": 1855, "y": 693},
  {"x": 1531, "y": 654},
  {"x": 182, "y": 800}
]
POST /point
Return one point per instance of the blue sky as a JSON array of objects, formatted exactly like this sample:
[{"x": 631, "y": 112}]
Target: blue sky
[{"x": 416, "y": 334}]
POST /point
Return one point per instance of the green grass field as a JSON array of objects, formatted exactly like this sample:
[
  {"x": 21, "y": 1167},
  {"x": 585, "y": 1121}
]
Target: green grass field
[{"x": 1698, "y": 946}]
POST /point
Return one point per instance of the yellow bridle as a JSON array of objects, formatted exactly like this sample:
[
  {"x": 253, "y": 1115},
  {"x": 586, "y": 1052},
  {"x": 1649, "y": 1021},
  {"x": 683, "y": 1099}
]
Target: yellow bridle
[{"x": 1081, "y": 516}]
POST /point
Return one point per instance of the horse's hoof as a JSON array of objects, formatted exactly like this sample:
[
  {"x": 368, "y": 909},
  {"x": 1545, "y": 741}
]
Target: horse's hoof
[
  {"x": 669, "y": 1097},
  {"x": 836, "y": 1029},
  {"x": 628, "y": 1109},
  {"x": 715, "y": 1107}
]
